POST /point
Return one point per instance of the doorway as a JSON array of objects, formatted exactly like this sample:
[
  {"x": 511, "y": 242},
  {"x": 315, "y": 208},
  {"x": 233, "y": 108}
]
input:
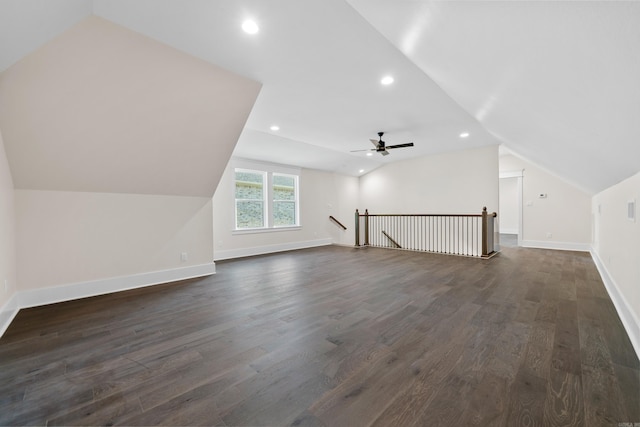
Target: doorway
[{"x": 510, "y": 193}]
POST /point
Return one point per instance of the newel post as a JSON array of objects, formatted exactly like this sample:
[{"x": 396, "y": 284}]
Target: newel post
[
  {"x": 357, "y": 227},
  {"x": 485, "y": 249},
  {"x": 366, "y": 227}
]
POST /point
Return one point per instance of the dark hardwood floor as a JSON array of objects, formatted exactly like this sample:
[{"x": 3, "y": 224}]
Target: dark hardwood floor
[{"x": 333, "y": 336}]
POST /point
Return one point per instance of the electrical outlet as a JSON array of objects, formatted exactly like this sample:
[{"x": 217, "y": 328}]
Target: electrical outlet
[
  {"x": 549, "y": 235},
  {"x": 184, "y": 257},
  {"x": 6, "y": 285}
]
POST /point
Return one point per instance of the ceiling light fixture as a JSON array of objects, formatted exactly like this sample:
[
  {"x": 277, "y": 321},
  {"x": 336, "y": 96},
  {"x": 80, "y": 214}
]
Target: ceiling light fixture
[
  {"x": 250, "y": 27},
  {"x": 386, "y": 80},
  {"x": 464, "y": 134},
  {"x": 361, "y": 170},
  {"x": 275, "y": 128},
  {"x": 369, "y": 154}
]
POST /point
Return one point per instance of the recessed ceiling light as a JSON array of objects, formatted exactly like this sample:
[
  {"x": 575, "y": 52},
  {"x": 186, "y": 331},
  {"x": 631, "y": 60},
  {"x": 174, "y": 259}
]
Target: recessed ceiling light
[
  {"x": 250, "y": 27},
  {"x": 369, "y": 154},
  {"x": 361, "y": 170},
  {"x": 464, "y": 134},
  {"x": 386, "y": 80},
  {"x": 275, "y": 128}
]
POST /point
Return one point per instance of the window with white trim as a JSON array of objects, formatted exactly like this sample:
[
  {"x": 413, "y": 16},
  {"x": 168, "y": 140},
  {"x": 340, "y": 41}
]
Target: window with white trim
[
  {"x": 266, "y": 198},
  {"x": 250, "y": 199}
]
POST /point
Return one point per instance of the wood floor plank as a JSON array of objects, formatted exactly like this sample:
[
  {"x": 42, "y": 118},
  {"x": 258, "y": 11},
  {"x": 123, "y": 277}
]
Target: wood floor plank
[
  {"x": 104, "y": 412},
  {"x": 488, "y": 402},
  {"x": 539, "y": 350},
  {"x": 604, "y": 403},
  {"x": 564, "y": 403},
  {"x": 629, "y": 383},
  {"x": 333, "y": 336},
  {"x": 527, "y": 396}
]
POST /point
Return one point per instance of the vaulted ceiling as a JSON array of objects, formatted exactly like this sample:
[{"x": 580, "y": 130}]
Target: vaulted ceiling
[{"x": 555, "y": 82}]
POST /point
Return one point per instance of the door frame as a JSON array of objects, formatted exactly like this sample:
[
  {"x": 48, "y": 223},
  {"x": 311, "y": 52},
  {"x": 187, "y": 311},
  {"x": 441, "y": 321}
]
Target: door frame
[{"x": 519, "y": 174}]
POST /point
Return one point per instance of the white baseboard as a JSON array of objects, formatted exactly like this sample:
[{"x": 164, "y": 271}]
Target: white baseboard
[
  {"x": 8, "y": 312},
  {"x": 508, "y": 231},
  {"x": 43, "y": 296},
  {"x": 268, "y": 249},
  {"x": 562, "y": 246},
  {"x": 627, "y": 316}
]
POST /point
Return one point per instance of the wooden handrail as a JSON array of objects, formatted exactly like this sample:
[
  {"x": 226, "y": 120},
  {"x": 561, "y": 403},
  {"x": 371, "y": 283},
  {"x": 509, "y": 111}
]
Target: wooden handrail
[
  {"x": 392, "y": 241},
  {"x": 456, "y": 215},
  {"x": 337, "y": 222},
  {"x": 457, "y": 234}
]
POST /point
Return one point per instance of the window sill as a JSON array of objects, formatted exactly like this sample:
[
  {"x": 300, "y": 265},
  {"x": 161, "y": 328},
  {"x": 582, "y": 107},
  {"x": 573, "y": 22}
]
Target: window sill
[{"x": 265, "y": 230}]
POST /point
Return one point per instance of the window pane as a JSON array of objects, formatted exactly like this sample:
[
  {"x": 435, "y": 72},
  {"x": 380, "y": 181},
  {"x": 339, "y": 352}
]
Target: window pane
[
  {"x": 286, "y": 180},
  {"x": 284, "y": 187},
  {"x": 249, "y": 214},
  {"x": 249, "y": 185},
  {"x": 284, "y": 213}
]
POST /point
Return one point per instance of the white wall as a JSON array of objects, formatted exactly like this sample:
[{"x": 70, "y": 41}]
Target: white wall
[
  {"x": 321, "y": 194},
  {"x": 617, "y": 250},
  {"x": 72, "y": 237},
  {"x": 104, "y": 109},
  {"x": 457, "y": 182},
  {"x": 565, "y": 213},
  {"x": 7, "y": 239}
]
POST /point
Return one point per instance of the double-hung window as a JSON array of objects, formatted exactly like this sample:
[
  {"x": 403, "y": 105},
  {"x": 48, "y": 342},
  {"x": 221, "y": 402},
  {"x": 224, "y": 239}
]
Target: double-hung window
[
  {"x": 266, "y": 197},
  {"x": 250, "y": 199}
]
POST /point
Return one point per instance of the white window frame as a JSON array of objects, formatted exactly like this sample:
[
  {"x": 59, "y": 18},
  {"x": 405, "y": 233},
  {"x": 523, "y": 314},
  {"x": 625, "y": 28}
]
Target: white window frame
[
  {"x": 265, "y": 207},
  {"x": 272, "y": 200},
  {"x": 269, "y": 169}
]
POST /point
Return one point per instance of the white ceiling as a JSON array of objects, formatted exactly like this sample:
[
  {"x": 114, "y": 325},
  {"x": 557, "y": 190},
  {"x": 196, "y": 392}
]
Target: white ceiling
[{"x": 556, "y": 82}]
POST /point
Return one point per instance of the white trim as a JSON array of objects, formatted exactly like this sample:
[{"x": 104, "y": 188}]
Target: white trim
[
  {"x": 347, "y": 245},
  {"x": 508, "y": 231},
  {"x": 629, "y": 320},
  {"x": 520, "y": 210},
  {"x": 511, "y": 174},
  {"x": 43, "y": 296},
  {"x": 8, "y": 312},
  {"x": 268, "y": 249},
  {"x": 562, "y": 246},
  {"x": 265, "y": 230},
  {"x": 268, "y": 170}
]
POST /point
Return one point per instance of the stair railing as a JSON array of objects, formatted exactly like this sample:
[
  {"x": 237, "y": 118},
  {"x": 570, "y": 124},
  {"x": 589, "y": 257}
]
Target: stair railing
[
  {"x": 456, "y": 234},
  {"x": 341, "y": 225}
]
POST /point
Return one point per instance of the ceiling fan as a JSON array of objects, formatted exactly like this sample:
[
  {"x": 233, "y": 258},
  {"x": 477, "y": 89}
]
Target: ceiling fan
[{"x": 381, "y": 146}]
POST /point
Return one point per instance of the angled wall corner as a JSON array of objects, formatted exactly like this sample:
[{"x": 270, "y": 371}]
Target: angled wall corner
[
  {"x": 101, "y": 108},
  {"x": 115, "y": 144},
  {"x": 616, "y": 251},
  {"x": 7, "y": 242}
]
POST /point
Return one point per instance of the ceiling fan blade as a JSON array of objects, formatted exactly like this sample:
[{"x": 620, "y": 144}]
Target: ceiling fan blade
[
  {"x": 358, "y": 151},
  {"x": 409, "y": 144},
  {"x": 375, "y": 143},
  {"x": 384, "y": 153}
]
